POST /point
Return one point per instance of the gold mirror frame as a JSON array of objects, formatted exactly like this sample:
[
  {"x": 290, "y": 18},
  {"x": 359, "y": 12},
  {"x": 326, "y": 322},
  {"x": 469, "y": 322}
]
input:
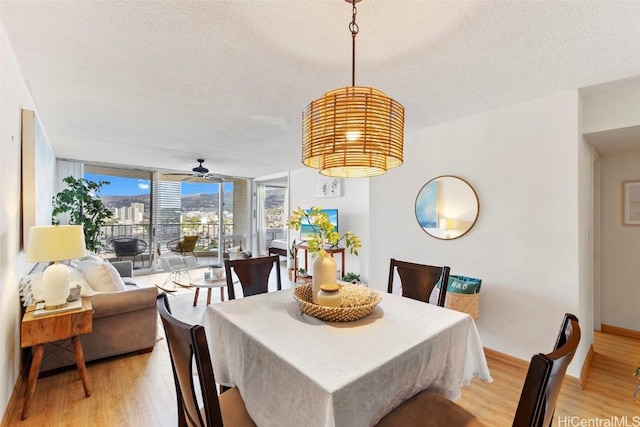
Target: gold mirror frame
[{"x": 447, "y": 207}]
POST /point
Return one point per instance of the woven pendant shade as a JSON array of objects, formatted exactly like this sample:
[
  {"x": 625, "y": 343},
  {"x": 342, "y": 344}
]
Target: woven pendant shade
[{"x": 353, "y": 132}]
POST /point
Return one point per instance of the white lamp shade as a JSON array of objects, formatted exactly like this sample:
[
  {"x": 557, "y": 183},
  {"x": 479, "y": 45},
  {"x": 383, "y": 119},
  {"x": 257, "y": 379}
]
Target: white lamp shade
[{"x": 55, "y": 243}]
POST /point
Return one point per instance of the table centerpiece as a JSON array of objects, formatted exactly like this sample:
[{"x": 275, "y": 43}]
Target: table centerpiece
[{"x": 323, "y": 234}]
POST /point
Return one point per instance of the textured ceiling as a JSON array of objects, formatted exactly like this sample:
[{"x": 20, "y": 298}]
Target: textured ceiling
[{"x": 157, "y": 84}]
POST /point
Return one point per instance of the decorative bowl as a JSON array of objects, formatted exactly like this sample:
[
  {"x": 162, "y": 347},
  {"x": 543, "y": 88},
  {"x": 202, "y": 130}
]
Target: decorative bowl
[{"x": 302, "y": 294}]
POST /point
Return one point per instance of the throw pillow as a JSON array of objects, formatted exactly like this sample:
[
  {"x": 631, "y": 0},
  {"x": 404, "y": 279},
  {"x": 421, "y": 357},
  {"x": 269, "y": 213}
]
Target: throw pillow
[
  {"x": 77, "y": 279},
  {"x": 102, "y": 277}
]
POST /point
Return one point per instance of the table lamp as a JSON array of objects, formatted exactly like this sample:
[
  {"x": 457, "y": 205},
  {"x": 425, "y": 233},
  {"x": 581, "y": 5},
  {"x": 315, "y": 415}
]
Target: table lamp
[{"x": 55, "y": 243}]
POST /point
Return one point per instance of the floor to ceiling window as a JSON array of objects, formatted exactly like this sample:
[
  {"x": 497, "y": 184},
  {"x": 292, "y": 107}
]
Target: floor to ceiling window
[
  {"x": 272, "y": 211},
  {"x": 128, "y": 196},
  {"x": 158, "y": 208}
]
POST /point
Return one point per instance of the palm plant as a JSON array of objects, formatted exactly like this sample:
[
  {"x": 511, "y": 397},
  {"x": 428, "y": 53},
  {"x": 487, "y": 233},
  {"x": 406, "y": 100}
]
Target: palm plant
[{"x": 84, "y": 208}]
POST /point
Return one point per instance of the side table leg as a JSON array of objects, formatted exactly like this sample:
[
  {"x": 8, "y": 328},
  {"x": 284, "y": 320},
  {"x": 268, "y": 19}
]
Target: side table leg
[
  {"x": 195, "y": 298},
  {"x": 222, "y": 293},
  {"x": 82, "y": 369},
  {"x": 38, "y": 351},
  {"x": 208, "y": 296}
]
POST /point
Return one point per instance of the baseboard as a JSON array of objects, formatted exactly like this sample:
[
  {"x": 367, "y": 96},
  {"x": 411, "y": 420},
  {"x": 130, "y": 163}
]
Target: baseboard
[
  {"x": 586, "y": 366},
  {"x": 11, "y": 406},
  {"x": 521, "y": 364},
  {"x": 505, "y": 358},
  {"x": 629, "y": 333}
]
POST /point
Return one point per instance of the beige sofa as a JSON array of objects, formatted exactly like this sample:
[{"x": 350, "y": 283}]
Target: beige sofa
[{"x": 123, "y": 322}]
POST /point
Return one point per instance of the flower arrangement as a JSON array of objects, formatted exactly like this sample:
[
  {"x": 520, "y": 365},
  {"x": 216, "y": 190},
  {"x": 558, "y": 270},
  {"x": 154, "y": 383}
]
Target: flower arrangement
[{"x": 323, "y": 231}]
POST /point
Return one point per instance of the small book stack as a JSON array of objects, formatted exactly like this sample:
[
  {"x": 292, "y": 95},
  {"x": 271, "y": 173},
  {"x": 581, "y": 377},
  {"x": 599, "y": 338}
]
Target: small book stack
[{"x": 73, "y": 305}]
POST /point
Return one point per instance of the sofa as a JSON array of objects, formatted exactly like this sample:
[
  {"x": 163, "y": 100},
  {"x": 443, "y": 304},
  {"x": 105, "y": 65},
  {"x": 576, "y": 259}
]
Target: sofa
[{"x": 124, "y": 321}]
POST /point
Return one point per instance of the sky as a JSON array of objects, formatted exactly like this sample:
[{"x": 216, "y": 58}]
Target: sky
[{"x": 120, "y": 186}]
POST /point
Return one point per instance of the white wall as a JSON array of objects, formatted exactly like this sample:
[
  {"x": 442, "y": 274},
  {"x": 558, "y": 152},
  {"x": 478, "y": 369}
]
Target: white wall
[
  {"x": 14, "y": 96},
  {"x": 523, "y": 163},
  {"x": 620, "y": 245},
  {"x": 353, "y": 212},
  {"x": 611, "y": 106}
]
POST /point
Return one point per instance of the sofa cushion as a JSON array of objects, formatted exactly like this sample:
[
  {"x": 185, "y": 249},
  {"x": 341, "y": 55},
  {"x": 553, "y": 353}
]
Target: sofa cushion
[
  {"x": 101, "y": 276},
  {"x": 77, "y": 279},
  {"x": 116, "y": 303}
]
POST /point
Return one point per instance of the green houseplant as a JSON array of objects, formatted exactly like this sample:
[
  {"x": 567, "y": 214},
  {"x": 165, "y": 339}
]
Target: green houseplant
[
  {"x": 323, "y": 233},
  {"x": 84, "y": 208}
]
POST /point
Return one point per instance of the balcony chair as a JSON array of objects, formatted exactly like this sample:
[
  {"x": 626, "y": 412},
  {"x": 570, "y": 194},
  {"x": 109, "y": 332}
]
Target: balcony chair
[
  {"x": 183, "y": 245},
  {"x": 253, "y": 274},
  {"x": 128, "y": 247},
  {"x": 418, "y": 280},
  {"x": 537, "y": 402},
  {"x": 188, "y": 343}
]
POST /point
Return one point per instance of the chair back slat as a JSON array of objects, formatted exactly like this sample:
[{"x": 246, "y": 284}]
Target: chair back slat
[
  {"x": 253, "y": 274},
  {"x": 419, "y": 280},
  {"x": 545, "y": 376},
  {"x": 186, "y": 341}
]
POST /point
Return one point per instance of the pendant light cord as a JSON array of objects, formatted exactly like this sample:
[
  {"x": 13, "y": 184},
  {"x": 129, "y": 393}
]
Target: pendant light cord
[{"x": 353, "y": 27}]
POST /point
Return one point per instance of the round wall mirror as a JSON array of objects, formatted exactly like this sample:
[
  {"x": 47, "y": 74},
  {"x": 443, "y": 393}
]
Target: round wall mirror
[{"x": 447, "y": 207}]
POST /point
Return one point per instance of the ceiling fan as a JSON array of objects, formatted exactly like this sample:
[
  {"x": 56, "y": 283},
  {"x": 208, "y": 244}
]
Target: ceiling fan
[{"x": 200, "y": 172}]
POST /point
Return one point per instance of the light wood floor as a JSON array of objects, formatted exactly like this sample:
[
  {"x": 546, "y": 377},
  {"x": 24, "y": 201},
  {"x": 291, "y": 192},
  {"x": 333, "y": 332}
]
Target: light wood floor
[{"x": 139, "y": 391}]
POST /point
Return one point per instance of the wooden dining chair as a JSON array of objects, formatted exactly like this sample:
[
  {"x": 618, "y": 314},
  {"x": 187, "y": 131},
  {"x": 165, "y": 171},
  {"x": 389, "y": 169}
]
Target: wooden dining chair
[
  {"x": 537, "y": 402},
  {"x": 253, "y": 274},
  {"x": 188, "y": 343},
  {"x": 418, "y": 280}
]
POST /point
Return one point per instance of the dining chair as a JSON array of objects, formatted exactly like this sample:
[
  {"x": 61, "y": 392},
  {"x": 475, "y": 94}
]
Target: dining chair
[
  {"x": 188, "y": 343},
  {"x": 537, "y": 401},
  {"x": 418, "y": 280},
  {"x": 183, "y": 245},
  {"x": 253, "y": 274}
]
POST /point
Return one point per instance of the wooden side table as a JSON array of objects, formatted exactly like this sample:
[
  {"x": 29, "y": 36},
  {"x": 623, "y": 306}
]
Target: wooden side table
[
  {"x": 40, "y": 330},
  {"x": 208, "y": 284},
  {"x": 303, "y": 247}
]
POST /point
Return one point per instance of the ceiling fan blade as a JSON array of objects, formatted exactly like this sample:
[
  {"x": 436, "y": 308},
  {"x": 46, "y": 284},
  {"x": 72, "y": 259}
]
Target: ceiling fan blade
[{"x": 214, "y": 179}]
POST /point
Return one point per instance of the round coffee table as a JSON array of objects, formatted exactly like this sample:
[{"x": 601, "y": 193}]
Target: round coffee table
[{"x": 208, "y": 284}]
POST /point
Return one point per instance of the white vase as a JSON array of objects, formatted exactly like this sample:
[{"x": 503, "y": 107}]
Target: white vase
[{"x": 324, "y": 272}]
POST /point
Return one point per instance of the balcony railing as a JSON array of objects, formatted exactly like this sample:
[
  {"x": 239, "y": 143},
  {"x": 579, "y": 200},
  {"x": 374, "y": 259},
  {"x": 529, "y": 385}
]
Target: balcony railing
[{"x": 208, "y": 234}]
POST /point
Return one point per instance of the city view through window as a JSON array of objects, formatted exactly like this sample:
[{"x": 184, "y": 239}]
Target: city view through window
[{"x": 183, "y": 208}]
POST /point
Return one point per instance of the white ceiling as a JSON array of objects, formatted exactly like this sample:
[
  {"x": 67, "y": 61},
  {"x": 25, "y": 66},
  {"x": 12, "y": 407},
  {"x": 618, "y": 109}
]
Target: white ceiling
[{"x": 157, "y": 84}]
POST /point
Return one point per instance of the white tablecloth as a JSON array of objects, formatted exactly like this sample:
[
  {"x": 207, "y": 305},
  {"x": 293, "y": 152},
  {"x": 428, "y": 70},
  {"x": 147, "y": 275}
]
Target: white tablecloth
[{"x": 296, "y": 370}]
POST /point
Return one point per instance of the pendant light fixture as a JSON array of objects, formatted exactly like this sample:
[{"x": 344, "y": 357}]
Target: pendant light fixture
[{"x": 353, "y": 131}]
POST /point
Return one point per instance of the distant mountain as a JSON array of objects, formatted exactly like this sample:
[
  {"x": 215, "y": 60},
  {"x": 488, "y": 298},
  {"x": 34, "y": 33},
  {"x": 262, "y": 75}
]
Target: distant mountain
[
  {"x": 274, "y": 198},
  {"x": 195, "y": 202},
  {"x": 191, "y": 202}
]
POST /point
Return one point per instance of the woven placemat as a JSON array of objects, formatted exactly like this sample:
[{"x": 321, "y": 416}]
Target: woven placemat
[{"x": 302, "y": 294}]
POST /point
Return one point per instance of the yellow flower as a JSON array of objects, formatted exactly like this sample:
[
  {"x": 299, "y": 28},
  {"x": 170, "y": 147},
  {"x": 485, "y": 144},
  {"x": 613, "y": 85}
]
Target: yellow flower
[{"x": 323, "y": 231}]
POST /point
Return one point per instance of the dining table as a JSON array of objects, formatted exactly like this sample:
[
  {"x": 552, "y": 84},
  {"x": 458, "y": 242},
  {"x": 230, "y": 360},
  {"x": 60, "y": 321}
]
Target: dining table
[{"x": 293, "y": 369}]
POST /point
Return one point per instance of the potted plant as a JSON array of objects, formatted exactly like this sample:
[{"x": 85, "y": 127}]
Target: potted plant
[
  {"x": 84, "y": 208},
  {"x": 351, "y": 278},
  {"x": 323, "y": 233}
]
